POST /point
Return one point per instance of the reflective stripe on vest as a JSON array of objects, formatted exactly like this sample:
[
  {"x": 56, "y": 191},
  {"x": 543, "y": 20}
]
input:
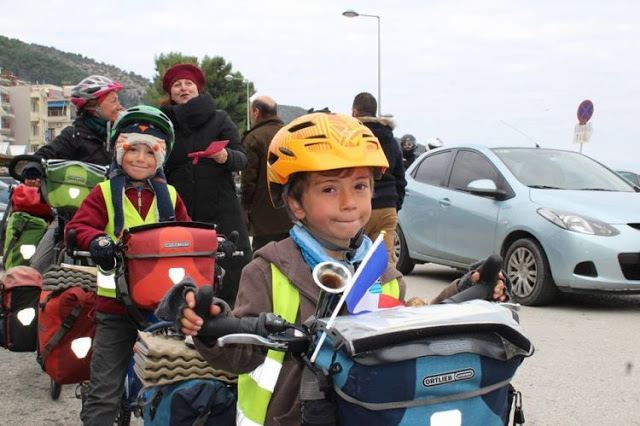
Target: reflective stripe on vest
[
  {"x": 391, "y": 288},
  {"x": 131, "y": 218},
  {"x": 255, "y": 389}
]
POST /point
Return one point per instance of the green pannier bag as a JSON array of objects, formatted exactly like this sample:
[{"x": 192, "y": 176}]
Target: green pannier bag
[
  {"x": 67, "y": 183},
  {"x": 24, "y": 232}
]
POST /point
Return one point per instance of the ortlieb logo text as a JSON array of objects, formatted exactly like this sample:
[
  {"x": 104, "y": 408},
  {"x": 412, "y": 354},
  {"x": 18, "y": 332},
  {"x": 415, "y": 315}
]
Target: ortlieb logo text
[
  {"x": 450, "y": 377},
  {"x": 176, "y": 244}
]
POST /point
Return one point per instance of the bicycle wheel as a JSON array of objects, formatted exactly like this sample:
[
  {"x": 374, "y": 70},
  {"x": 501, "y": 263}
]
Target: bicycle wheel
[
  {"x": 54, "y": 389},
  {"x": 124, "y": 416}
]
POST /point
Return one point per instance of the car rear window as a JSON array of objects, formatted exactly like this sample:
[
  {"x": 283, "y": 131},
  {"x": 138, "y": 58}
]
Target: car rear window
[{"x": 433, "y": 169}]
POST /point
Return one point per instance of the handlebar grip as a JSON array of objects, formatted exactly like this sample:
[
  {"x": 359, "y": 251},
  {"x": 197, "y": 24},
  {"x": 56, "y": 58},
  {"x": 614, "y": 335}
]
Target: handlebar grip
[
  {"x": 218, "y": 327},
  {"x": 483, "y": 289},
  {"x": 204, "y": 296}
]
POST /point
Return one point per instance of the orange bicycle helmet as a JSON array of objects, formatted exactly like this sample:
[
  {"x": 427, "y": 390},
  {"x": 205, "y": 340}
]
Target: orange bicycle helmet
[{"x": 319, "y": 142}]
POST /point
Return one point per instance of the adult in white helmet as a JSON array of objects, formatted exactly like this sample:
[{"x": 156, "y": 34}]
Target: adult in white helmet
[
  {"x": 97, "y": 104},
  {"x": 434, "y": 142}
]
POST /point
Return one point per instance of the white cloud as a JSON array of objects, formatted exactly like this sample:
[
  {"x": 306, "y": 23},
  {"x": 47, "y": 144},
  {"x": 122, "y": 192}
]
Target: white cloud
[{"x": 452, "y": 69}]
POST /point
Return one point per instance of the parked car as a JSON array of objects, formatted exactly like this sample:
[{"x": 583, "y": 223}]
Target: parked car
[
  {"x": 634, "y": 178},
  {"x": 4, "y": 192},
  {"x": 561, "y": 220}
]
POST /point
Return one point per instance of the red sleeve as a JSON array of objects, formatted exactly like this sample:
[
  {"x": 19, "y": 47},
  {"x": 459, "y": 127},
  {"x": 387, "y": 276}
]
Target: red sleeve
[
  {"x": 181, "y": 210},
  {"x": 90, "y": 220}
]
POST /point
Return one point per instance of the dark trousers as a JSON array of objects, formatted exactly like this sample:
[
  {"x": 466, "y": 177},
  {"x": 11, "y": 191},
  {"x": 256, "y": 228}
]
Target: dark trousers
[
  {"x": 260, "y": 241},
  {"x": 112, "y": 352}
]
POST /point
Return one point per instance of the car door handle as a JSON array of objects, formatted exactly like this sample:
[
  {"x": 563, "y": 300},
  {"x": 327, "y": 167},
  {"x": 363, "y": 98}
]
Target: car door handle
[{"x": 445, "y": 202}]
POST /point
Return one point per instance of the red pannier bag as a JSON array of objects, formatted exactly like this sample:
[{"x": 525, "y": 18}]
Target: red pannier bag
[
  {"x": 160, "y": 255},
  {"x": 27, "y": 199},
  {"x": 20, "y": 290},
  {"x": 65, "y": 333}
]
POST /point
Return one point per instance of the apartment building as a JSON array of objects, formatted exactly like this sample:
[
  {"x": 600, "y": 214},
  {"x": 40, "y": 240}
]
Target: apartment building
[{"x": 34, "y": 114}]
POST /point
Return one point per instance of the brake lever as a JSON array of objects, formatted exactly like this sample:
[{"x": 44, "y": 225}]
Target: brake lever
[{"x": 251, "y": 339}]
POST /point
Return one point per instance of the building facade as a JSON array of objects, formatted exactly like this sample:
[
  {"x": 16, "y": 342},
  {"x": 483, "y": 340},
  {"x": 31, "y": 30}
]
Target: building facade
[{"x": 32, "y": 115}]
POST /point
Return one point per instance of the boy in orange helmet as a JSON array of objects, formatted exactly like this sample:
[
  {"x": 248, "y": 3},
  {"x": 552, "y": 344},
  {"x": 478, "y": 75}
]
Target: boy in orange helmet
[{"x": 320, "y": 167}]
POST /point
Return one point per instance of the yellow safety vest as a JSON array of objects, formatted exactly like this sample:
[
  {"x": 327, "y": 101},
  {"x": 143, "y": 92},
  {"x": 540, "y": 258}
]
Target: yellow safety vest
[
  {"x": 131, "y": 218},
  {"x": 255, "y": 388}
]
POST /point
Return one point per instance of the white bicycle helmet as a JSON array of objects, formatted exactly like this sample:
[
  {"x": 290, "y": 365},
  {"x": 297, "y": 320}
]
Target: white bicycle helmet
[
  {"x": 92, "y": 88},
  {"x": 434, "y": 142}
]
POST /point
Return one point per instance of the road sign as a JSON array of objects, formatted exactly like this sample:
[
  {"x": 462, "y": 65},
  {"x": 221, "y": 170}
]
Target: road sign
[
  {"x": 582, "y": 133},
  {"x": 585, "y": 111}
]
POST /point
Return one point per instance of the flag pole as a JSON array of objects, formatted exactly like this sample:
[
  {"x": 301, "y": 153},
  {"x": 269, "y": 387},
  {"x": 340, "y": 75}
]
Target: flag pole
[{"x": 342, "y": 300}]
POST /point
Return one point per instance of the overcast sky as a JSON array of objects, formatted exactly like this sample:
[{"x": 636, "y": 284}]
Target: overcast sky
[{"x": 497, "y": 72}]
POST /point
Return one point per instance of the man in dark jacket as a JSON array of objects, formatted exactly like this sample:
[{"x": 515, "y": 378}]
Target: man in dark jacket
[
  {"x": 266, "y": 223},
  {"x": 389, "y": 189},
  {"x": 98, "y": 106}
]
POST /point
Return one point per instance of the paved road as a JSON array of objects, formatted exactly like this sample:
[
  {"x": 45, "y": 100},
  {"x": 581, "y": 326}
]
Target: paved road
[{"x": 586, "y": 369}]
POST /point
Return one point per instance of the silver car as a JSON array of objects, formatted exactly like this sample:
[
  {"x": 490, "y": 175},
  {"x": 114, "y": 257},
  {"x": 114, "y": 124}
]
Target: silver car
[{"x": 561, "y": 220}]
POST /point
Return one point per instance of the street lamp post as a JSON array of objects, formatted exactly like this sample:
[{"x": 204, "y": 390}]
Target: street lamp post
[
  {"x": 354, "y": 14},
  {"x": 229, "y": 77}
]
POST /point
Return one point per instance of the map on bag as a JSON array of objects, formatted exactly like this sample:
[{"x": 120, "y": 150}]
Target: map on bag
[{"x": 213, "y": 147}]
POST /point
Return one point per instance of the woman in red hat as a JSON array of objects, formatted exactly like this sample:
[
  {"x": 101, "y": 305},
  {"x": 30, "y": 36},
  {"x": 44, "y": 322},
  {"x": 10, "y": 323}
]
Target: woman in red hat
[{"x": 206, "y": 186}]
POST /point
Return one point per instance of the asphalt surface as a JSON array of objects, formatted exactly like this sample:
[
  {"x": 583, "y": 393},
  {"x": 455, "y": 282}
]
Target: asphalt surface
[{"x": 585, "y": 371}]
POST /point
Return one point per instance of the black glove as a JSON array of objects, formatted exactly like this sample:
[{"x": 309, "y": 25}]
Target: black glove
[
  {"x": 103, "y": 252},
  {"x": 227, "y": 247},
  {"x": 32, "y": 171},
  {"x": 465, "y": 282}
]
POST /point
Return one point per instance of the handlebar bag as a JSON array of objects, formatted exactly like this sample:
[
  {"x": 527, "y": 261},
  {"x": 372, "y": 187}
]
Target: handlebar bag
[
  {"x": 67, "y": 183},
  {"x": 20, "y": 290},
  {"x": 436, "y": 364},
  {"x": 66, "y": 328},
  {"x": 160, "y": 255}
]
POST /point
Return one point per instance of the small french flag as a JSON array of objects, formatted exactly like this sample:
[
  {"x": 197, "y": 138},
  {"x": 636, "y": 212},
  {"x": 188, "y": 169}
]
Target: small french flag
[{"x": 366, "y": 294}]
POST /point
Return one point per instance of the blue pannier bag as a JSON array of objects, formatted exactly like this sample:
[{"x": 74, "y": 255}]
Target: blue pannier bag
[
  {"x": 425, "y": 365},
  {"x": 202, "y": 402}
]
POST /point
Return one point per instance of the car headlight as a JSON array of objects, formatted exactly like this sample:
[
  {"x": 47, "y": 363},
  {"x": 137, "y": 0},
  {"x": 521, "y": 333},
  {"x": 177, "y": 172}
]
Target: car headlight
[{"x": 577, "y": 223}]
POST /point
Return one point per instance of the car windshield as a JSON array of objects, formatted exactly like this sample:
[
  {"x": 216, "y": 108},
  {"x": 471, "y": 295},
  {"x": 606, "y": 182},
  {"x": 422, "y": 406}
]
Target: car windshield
[
  {"x": 631, "y": 177},
  {"x": 555, "y": 169}
]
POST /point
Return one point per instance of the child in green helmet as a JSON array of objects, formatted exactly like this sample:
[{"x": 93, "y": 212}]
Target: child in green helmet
[{"x": 141, "y": 141}]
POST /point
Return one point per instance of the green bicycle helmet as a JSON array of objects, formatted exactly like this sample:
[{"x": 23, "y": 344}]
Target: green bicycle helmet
[{"x": 145, "y": 120}]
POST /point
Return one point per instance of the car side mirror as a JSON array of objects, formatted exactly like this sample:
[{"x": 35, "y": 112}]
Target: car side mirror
[{"x": 485, "y": 187}]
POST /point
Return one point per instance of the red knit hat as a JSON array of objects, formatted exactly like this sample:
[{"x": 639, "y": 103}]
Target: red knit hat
[{"x": 180, "y": 71}]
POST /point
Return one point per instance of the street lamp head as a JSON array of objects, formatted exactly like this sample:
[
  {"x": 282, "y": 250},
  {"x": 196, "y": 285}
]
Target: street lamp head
[
  {"x": 350, "y": 13},
  {"x": 229, "y": 77}
]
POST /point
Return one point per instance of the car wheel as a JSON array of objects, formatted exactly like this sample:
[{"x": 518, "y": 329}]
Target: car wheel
[
  {"x": 528, "y": 269},
  {"x": 404, "y": 263}
]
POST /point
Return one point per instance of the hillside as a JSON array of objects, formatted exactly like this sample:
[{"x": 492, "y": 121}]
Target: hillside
[{"x": 40, "y": 64}]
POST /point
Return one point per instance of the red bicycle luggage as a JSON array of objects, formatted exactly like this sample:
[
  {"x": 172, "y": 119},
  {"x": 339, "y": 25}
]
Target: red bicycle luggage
[
  {"x": 160, "y": 255},
  {"x": 65, "y": 333},
  {"x": 20, "y": 290},
  {"x": 27, "y": 199}
]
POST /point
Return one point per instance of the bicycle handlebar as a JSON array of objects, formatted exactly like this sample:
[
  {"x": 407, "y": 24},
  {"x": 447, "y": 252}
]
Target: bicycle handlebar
[{"x": 268, "y": 329}]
